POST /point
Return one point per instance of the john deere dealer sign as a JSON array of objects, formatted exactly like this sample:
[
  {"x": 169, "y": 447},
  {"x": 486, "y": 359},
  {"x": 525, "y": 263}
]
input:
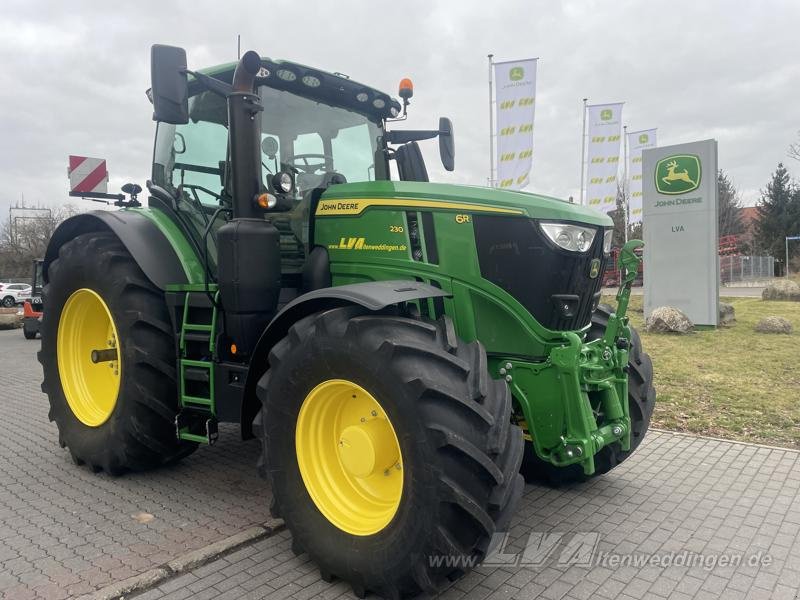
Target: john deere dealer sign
[{"x": 681, "y": 267}]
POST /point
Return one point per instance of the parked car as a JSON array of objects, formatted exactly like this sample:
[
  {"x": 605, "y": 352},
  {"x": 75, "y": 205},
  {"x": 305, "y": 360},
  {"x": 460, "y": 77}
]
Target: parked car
[
  {"x": 32, "y": 305},
  {"x": 10, "y": 293}
]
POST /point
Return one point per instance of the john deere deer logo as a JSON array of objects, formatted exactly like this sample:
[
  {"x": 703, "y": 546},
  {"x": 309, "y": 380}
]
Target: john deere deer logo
[
  {"x": 516, "y": 73},
  {"x": 678, "y": 174},
  {"x": 644, "y": 138},
  {"x": 606, "y": 114}
]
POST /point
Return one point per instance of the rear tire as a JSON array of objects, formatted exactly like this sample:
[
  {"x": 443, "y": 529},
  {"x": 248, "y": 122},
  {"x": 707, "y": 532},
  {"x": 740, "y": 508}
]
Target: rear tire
[
  {"x": 140, "y": 431},
  {"x": 460, "y": 452},
  {"x": 641, "y": 401},
  {"x": 9, "y": 302}
]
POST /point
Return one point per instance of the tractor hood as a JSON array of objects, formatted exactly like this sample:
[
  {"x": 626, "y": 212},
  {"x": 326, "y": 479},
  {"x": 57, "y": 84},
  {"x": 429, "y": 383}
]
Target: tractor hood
[{"x": 457, "y": 197}]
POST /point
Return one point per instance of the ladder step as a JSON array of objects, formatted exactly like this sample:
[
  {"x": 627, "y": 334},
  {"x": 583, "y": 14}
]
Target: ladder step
[
  {"x": 197, "y": 400},
  {"x": 199, "y": 336},
  {"x": 199, "y": 374},
  {"x": 196, "y": 327},
  {"x": 196, "y": 425}
]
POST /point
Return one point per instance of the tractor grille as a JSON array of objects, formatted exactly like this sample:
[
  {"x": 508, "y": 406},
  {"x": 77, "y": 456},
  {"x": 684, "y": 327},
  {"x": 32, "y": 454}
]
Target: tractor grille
[{"x": 552, "y": 283}]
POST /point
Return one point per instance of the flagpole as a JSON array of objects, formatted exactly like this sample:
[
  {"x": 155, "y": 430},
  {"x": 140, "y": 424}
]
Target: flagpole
[
  {"x": 491, "y": 127},
  {"x": 583, "y": 148},
  {"x": 625, "y": 183}
]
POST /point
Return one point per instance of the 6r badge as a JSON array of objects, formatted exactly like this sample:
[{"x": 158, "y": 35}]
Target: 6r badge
[{"x": 594, "y": 268}]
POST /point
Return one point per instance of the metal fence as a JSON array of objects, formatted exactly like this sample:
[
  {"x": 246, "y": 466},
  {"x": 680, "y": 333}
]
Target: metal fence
[{"x": 745, "y": 268}]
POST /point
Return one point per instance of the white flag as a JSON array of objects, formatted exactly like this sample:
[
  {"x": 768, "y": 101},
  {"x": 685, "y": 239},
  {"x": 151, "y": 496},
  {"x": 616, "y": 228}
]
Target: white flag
[
  {"x": 602, "y": 156},
  {"x": 637, "y": 141},
  {"x": 515, "y": 94}
]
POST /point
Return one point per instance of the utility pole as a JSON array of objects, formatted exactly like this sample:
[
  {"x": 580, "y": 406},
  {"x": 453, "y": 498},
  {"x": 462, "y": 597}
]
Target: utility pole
[
  {"x": 583, "y": 148},
  {"x": 625, "y": 185},
  {"x": 491, "y": 126}
]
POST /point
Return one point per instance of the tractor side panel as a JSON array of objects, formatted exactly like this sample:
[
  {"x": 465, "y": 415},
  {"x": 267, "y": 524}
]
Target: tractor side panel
[{"x": 435, "y": 247}]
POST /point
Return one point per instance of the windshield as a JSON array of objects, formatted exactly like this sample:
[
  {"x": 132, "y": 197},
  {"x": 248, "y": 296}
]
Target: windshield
[
  {"x": 309, "y": 138},
  {"x": 319, "y": 143}
]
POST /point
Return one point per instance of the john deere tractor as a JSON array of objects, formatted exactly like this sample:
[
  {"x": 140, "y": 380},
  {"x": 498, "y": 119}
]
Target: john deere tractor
[{"x": 402, "y": 349}]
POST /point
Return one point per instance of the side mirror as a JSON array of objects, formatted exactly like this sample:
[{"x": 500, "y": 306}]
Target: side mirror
[
  {"x": 269, "y": 146},
  {"x": 447, "y": 147},
  {"x": 170, "y": 84}
]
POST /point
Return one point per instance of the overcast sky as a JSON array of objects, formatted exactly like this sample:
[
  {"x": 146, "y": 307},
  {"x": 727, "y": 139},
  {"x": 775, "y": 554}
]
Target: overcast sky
[{"x": 73, "y": 75}]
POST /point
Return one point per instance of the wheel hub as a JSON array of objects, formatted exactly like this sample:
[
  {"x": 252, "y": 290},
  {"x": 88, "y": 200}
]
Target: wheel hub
[{"x": 367, "y": 448}]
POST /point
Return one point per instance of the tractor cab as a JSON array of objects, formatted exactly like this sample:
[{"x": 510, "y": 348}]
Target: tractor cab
[{"x": 317, "y": 130}]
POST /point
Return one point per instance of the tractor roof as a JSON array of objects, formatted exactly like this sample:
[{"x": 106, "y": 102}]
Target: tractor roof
[{"x": 330, "y": 88}]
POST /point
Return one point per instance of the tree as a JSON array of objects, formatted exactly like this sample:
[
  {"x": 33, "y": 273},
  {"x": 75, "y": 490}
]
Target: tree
[
  {"x": 778, "y": 213},
  {"x": 636, "y": 231},
  {"x": 618, "y": 216},
  {"x": 26, "y": 240},
  {"x": 794, "y": 149},
  {"x": 730, "y": 206},
  {"x": 620, "y": 219}
]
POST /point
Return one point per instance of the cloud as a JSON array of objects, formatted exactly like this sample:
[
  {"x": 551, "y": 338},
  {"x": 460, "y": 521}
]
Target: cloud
[{"x": 74, "y": 75}]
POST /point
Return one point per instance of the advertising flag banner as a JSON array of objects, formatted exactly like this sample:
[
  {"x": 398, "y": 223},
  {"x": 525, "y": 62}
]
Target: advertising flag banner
[
  {"x": 637, "y": 141},
  {"x": 602, "y": 155},
  {"x": 515, "y": 94}
]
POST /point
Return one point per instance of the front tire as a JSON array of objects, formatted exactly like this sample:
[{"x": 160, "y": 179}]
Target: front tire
[
  {"x": 117, "y": 414},
  {"x": 456, "y": 462},
  {"x": 641, "y": 401}
]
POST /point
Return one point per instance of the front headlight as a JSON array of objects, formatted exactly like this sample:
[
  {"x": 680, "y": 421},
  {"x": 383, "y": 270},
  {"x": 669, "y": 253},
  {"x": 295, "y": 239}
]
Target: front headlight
[
  {"x": 570, "y": 237},
  {"x": 282, "y": 182},
  {"x": 608, "y": 237}
]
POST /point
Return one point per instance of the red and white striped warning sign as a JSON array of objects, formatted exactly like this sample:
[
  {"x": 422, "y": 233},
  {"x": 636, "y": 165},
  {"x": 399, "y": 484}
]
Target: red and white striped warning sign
[{"x": 87, "y": 174}]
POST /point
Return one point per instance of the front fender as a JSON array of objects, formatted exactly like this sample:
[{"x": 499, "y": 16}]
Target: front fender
[{"x": 373, "y": 295}]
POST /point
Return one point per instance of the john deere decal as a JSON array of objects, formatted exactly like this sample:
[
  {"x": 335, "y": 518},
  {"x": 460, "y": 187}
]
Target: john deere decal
[{"x": 678, "y": 174}]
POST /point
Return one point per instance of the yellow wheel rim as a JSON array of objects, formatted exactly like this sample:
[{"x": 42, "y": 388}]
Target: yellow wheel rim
[
  {"x": 86, "y": 327},
  {"x": 349, "y": 457}
]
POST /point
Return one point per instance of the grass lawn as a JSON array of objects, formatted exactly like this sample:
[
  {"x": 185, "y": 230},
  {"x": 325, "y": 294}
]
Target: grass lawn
[{"x": 731, "y": 383}]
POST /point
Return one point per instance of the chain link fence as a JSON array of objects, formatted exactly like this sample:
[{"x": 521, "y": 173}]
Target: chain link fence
[{"x": 745, "y": 268}]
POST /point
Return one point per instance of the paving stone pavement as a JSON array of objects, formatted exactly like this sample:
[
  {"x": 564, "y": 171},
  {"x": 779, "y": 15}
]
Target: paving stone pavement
[
  {"x": 731, "y": 511},
  {"x": 684, "y": 518},
  {"x": 65, "y": 531}
]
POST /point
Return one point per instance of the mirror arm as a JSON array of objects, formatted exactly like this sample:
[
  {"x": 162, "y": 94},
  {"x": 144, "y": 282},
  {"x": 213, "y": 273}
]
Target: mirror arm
[
  {"x": 211, "y": 84},
  {"x": 410, "y": 135}
]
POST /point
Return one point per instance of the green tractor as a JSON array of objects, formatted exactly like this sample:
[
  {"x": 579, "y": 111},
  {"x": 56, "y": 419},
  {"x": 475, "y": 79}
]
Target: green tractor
[{"x": 402, "y": 349}]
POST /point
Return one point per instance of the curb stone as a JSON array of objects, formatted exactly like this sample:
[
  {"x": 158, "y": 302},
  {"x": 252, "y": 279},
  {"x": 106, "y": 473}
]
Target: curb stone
[
  {"x": 719, "y": 439},
  {"x": 185, "y": 562}
]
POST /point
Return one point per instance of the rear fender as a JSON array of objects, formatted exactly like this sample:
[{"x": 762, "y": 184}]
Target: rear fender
[
  {"x": 373, "y": 295},
  {"x": 149, "y": 247}
]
